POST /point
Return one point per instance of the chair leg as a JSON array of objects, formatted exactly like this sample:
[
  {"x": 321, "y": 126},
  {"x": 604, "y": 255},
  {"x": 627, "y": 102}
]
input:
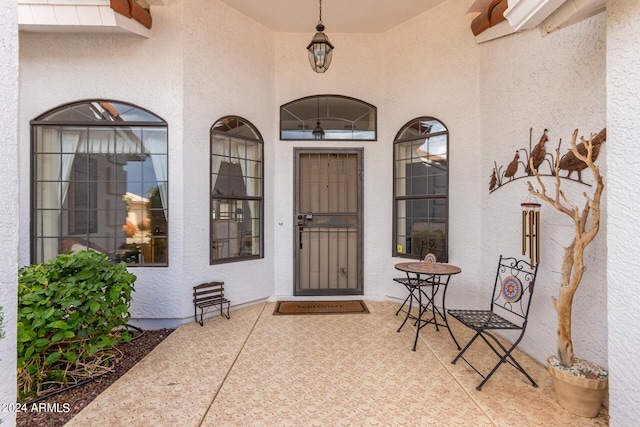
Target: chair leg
[
  {"x": 221, "y": 310},
  {"x": 505, "y": 357},
  {"x": 403, "y": 304},
  {"x": 444, "y": 316},
  {"x": 410, "y": 297},
  {"x": 465, "y": 348}
]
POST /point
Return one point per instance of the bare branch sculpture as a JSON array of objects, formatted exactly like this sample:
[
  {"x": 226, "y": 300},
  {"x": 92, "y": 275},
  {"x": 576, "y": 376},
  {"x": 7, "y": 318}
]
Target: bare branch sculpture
[{"x": 573, "y": 260}]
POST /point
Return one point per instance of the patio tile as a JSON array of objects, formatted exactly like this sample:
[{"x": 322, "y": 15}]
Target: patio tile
[{"x": 317, "y": 370}]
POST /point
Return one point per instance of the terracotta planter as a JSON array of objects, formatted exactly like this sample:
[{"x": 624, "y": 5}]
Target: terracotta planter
[{"x": 578, "y": 395}]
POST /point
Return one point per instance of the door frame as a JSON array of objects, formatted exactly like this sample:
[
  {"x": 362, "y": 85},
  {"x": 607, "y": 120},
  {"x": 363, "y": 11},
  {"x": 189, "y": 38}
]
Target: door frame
[{"x": 359, "y": 152}]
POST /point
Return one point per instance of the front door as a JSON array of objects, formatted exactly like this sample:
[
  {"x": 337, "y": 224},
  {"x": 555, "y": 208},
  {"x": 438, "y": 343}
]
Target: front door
[{"x": 328, "y": 217}]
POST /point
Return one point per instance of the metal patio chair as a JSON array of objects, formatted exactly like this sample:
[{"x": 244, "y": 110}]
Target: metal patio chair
[{"x": 508, "y": 310}]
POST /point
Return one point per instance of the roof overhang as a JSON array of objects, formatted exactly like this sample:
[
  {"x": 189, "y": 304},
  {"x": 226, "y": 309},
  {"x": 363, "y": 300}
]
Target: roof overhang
[
  {"x": 547, "y": 15},
  {"x": 76, "y": 16}
]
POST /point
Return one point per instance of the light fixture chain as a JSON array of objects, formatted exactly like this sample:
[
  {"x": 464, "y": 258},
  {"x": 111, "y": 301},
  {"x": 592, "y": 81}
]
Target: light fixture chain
[{"x": 320, "y": 11}]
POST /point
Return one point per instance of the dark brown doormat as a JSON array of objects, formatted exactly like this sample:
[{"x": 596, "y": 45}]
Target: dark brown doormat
[{"x": 320, "y": 307}]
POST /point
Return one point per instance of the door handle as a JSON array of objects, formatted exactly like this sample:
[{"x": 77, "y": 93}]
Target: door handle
[
  {"x": 300, "y": 236},
  {"x": 301, "y": 224}
]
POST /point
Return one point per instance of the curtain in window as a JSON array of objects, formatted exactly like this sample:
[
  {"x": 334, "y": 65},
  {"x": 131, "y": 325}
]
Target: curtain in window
[
  {"x": 54, "y": 171},
  {"x": 218, "y": 152},
  {"x": 155, "y": 140},
  {"x": 249, "y": 153}
]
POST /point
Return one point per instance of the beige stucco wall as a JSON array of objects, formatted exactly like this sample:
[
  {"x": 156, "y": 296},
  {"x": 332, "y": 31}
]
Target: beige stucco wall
[
  {"x": 9, "y": 220},
  {"x": 228, "y": 70},
  {"x": 623, "y": 228},
  {"x": 556, "y": 82},
  {"x": 60, "y": 68}
]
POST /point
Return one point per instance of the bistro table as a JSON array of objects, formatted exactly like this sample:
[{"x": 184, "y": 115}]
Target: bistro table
[{"x": 434, "y": 275}]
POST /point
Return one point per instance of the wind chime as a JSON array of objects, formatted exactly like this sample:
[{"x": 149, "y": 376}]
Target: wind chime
[{"x": 531, "y": 230}]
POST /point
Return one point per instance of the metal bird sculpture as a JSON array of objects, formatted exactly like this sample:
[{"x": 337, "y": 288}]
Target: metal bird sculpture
[
  {"x": 571, "y": 163},
  {"x": 512, "y": 168},
  {"x": 537, "y": 154},
  {"x": 494, "y": 180}
]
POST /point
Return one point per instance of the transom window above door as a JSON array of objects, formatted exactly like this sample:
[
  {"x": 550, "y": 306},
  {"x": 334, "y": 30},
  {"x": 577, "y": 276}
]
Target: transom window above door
[{"x": 328, "y": 117}]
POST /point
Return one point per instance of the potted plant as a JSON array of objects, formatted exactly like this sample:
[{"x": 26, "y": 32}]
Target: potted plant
[{"x": 580, "y": 385}]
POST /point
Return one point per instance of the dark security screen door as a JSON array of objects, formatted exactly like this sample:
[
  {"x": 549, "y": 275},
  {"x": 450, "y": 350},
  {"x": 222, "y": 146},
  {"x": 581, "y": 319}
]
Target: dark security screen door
[{"x": 328, "y": 217}]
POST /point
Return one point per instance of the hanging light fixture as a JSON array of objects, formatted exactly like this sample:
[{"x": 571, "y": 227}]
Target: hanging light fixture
[
  {"x": 320, "y": 49},
  {"x": 318, "y": 132}
]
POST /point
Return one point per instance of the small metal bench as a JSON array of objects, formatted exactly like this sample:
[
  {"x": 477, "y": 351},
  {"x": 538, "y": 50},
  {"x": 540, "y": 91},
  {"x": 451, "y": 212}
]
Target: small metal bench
[{"x": 209, "y": 295}]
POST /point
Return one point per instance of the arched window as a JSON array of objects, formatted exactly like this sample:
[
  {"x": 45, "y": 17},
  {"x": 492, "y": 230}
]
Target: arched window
[
  {"x": 329, "y": 117},
  {"x": 236, "y": 191},
  {"x": 100, "y": 182},
  {"x": 420, "y": 175}
]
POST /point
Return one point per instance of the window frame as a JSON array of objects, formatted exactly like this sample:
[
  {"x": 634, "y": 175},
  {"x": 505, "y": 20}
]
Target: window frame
[
  {"x": 57, "y": 119},
  {"x": 307, "y": 134},
  {"x": 232, "y": 199},
  {"x": 403, "y": 137}
]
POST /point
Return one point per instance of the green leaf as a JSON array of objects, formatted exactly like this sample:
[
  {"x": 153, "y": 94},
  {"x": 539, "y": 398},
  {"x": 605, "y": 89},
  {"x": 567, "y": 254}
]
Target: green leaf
[
  {"x": 58, "y": 324},
  {"x": 26, "y": 336},
  {"x": 71, "y": 357},
  {"x": 69, "y": 334},
  {"x": 85, "y": 274},
  {"x": 57, "y": 337},
  {"x": 49, "y": 312},
  {"x": 41, "y": 342},
  {"x": 53, "y": 358},
  {"x": 95, "y": 306},
  {"x": 29, "y": 352}
]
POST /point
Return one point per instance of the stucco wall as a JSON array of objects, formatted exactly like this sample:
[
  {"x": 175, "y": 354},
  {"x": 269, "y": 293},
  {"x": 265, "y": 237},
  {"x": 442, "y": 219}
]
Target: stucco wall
[
  {"x": 557, "y": 83},
  {"x": 623, "y": 197},
  {"x": 57, "y": 68},
  {"x": 229, "y": 70},
  {"x": 432, "y": 70},
  {"x": 9, "y": 220}
]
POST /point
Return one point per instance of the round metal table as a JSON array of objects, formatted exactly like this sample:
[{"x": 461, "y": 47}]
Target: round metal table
[{"x": 421, "y": 275}]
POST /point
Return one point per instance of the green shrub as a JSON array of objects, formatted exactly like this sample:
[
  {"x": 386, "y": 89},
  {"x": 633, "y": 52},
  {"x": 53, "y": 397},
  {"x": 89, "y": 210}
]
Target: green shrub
[{"x": 72, "y": 310}]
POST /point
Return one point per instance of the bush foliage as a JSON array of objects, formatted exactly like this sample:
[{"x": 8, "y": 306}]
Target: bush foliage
[{"x": 72, "y": 310}]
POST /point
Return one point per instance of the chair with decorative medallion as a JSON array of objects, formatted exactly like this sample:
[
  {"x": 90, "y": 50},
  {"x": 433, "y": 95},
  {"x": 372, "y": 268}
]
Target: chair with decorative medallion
[{"x": 508, "y": 310}]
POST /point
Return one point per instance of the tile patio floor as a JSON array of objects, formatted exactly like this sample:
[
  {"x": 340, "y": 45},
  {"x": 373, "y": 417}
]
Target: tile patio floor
[{"x": 321, "y": 370}]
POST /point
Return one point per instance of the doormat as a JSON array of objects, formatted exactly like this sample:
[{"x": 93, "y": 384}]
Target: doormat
[{"x": 320, "y": 307}]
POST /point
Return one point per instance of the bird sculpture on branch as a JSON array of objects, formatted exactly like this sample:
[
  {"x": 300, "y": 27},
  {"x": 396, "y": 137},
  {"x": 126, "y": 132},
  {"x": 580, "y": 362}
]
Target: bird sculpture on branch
[
  {"x": 571, "y": 163},
  {"x": 537, "y": 154},
  {"x": 494, "y": 180},
  {"x": 512, "y": 168}
]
